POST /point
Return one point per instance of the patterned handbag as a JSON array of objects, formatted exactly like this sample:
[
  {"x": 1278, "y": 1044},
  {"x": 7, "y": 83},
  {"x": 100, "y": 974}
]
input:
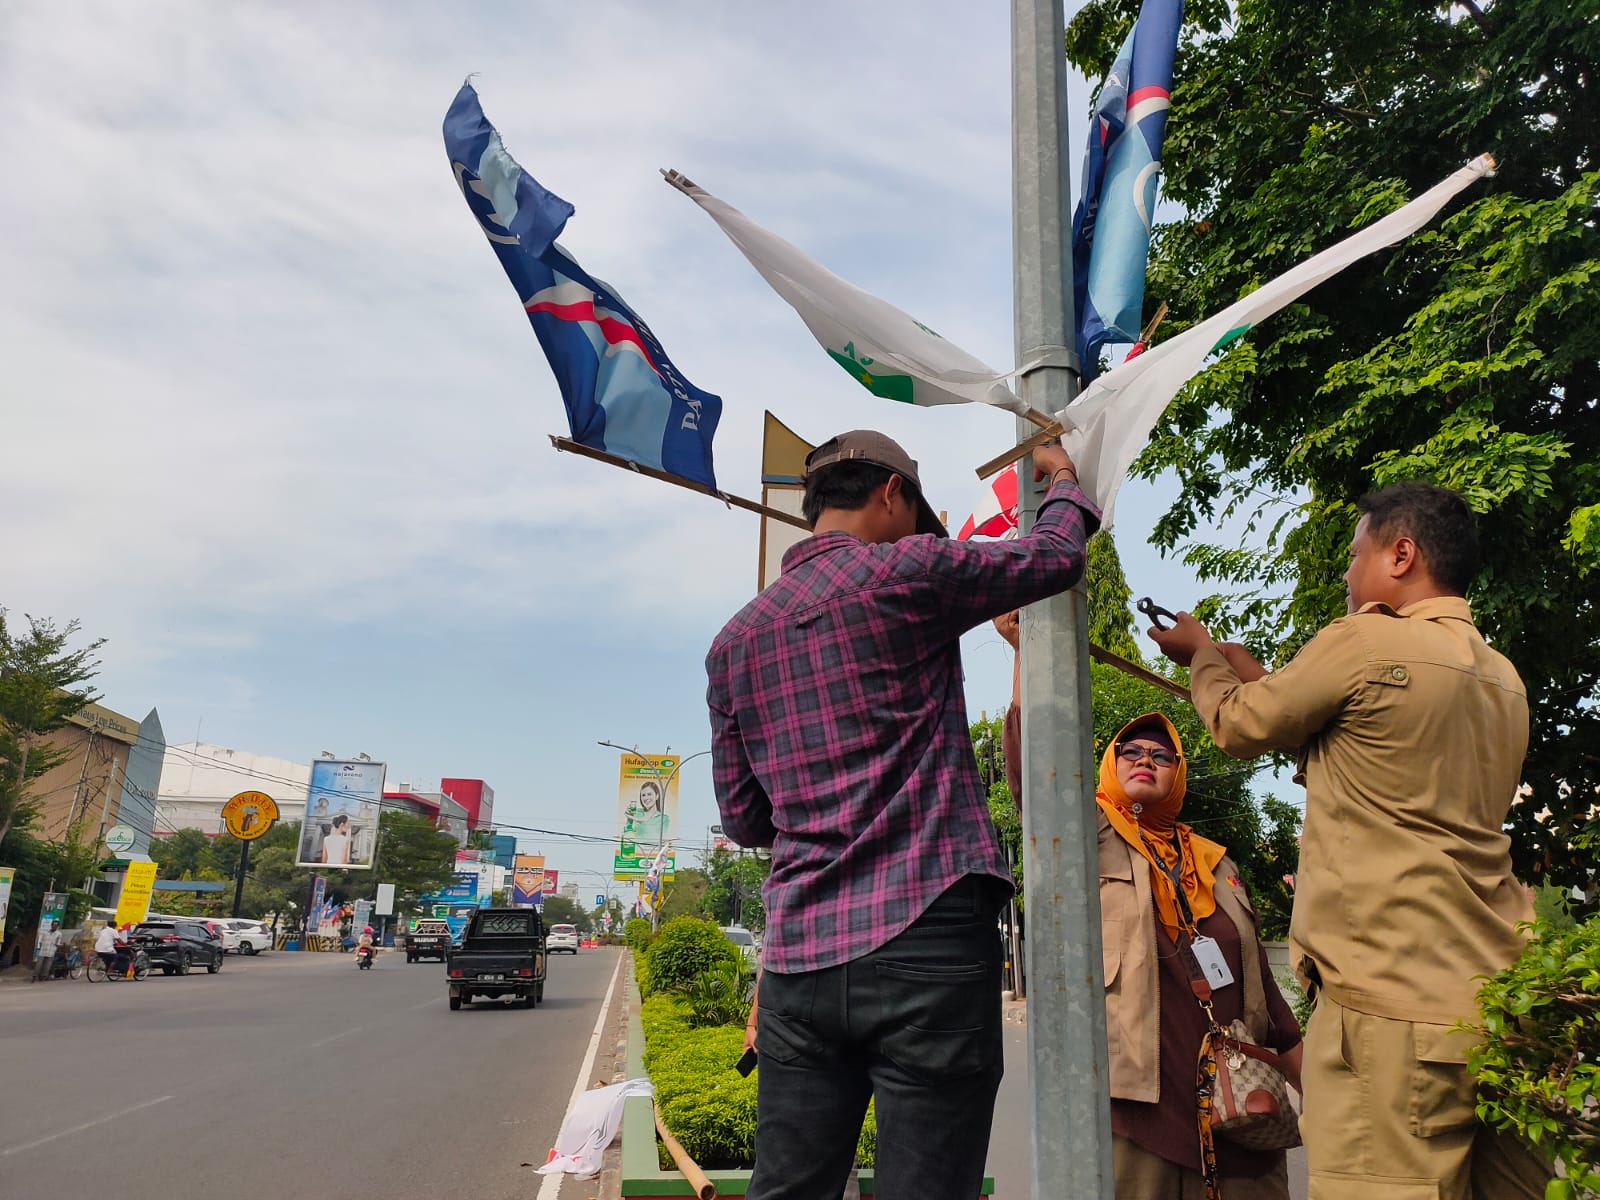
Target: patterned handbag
[{"x": 1251, "y": 1101}]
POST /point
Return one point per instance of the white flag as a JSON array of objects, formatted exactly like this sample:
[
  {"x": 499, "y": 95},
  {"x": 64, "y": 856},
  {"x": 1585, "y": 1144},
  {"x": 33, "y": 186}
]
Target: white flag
[
  {"x": 888, "y": 352},
  {"x": 1107, "y": 424}
]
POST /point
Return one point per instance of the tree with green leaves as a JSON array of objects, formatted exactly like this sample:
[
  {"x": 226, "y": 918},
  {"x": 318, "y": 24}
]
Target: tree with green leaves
[
  {"x": 1468, "y": 356},
  {"x": 413, "y": 854},
  {"x": 733, "y": 892},
  {"x": 558, "y": 910},
  {"x": 686, "y": 894},
  {"x": 43, "y": 685}
]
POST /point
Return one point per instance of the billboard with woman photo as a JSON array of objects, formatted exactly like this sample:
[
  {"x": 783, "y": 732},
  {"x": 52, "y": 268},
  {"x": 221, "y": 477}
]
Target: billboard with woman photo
[{"x": 340, "y": 829}]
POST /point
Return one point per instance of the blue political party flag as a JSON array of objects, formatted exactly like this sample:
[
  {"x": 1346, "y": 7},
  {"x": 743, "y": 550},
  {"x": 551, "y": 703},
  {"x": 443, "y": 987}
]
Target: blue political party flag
[
  {"x": 1121, "y": 178},
  {"x": 622, "y": 393}
]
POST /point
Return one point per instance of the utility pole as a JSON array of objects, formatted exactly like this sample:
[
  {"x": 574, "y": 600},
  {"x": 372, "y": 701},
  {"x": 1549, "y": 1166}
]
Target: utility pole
[{"x": 1071, "y": 1112}]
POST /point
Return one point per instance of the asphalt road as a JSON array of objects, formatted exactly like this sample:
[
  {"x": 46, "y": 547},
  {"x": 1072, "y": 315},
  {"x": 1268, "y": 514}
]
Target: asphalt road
[{"x": 289, "y": 1075}]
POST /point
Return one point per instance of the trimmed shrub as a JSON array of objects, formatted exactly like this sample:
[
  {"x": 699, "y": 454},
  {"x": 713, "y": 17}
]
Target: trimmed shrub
[
  {"x": 721, "y": 995},
  {"x": 637, "y": 934},
  {"x": 709, "y": 1106},
  {"x": 1538, "y": 1067},
  {"x": 683, "y": 949}
]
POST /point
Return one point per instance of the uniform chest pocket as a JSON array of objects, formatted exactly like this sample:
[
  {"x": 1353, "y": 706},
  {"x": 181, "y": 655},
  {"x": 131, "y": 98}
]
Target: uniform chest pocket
[{"x": 1391, "y": 673}]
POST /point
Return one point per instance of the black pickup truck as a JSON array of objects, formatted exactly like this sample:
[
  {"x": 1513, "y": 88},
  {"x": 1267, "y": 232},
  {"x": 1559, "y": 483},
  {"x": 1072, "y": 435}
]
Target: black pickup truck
[
  {"x": 430, "y": 939},
  {"x": 501, "y": 954}
]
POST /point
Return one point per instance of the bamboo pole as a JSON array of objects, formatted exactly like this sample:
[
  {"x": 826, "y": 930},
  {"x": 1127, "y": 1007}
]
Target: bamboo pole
[
  {"x": 702, "y": 1186},
  {"x": 732, "y": 501}
]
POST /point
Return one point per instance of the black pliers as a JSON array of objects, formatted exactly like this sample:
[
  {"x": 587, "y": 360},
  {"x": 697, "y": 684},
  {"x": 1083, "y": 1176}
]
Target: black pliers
[{"x": 1155, "y": 612}]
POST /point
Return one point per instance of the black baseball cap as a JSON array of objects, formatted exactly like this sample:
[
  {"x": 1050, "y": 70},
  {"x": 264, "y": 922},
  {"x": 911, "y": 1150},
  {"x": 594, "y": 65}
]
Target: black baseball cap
[{"x": 881, "y": 450}]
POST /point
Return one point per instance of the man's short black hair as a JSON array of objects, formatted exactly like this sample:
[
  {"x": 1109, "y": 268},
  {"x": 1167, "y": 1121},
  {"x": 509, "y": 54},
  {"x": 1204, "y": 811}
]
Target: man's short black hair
[
  {"x": 1436, "y": 519},
  {"x": 848, "y": 485}
]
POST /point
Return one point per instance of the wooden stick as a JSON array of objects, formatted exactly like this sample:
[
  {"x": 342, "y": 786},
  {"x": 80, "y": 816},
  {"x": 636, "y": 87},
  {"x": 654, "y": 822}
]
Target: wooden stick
[
  {"x": 702, "y": 1186},
  {"x": 1149, "y": 330},
  {"x": 572, "y": 447},
  {"x": 1137, "y": 672},
  {"x": 1021, "y": 450}
]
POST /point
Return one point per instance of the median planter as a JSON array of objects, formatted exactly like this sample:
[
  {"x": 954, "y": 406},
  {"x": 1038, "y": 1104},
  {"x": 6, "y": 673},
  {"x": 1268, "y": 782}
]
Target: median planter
[{"x": 643, "y": 1176}]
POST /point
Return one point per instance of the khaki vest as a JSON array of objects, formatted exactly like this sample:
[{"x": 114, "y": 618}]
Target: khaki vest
[{"x": 1133, "y": 996}]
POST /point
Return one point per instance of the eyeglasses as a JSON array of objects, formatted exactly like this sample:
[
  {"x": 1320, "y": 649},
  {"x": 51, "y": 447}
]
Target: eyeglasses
[{"x": 1132, "y": 752}]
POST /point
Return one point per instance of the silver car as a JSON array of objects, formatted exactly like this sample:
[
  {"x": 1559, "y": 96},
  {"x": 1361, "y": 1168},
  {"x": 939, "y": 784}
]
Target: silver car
[{"x": 746, "y": 941}]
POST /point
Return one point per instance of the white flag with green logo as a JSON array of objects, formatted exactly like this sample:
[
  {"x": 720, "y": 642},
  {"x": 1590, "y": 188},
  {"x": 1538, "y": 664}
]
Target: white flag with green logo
[
  {"x": 1107, "y": 424},
  {"x": 888, "y": 352}
]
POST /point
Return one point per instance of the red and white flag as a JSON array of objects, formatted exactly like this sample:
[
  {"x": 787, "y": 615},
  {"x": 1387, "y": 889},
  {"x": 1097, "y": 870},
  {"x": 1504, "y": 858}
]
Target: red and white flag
[{"x": 996, "y": 514}]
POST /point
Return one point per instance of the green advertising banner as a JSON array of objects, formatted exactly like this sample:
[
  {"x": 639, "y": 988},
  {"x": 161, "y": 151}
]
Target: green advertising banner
[{"x": 637, "y": 866}]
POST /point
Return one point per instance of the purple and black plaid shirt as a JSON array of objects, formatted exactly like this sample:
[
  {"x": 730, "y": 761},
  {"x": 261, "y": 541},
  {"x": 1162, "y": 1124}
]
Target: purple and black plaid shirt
[{"x": 839, "y": 729}]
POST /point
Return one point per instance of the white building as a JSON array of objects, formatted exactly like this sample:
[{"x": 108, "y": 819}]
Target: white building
[{"x": 198, "y": 778}]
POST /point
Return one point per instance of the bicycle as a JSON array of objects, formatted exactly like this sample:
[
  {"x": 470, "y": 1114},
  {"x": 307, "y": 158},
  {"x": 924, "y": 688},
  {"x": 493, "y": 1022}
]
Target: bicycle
[
  {"x": 97, "y": 972},
  {"x": 68, "y": 965}
]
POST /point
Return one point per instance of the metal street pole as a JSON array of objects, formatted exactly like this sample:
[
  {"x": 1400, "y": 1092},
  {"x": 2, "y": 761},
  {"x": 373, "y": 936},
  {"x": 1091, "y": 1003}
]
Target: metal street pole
[{"x": 1071, "y": 1113}]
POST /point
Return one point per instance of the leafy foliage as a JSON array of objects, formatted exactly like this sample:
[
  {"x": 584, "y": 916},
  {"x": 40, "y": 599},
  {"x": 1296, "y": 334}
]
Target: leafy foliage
[
  {"x": 709, "y": 1106},
  {"x": 558, "y": 910},
  {"x": 685, "y": 894},
  {"x": 733, "y": 892},
  {"x": 684, "y": 949},
  {"x": 1469, "y": 356},
  {"x": 42, "y": 687},
  {"x": 721, "y": 995},
  {"x": 1538, "y": 1067},
  {"x": 637, "y": 933}
]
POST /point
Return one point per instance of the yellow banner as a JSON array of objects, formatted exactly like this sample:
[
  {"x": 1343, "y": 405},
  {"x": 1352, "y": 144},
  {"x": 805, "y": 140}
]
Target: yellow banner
[{"x": 136, "y": 891}]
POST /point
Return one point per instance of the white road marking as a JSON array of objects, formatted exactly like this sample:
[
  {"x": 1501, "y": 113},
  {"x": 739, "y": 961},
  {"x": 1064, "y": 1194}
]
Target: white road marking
[
  {"x": 552, "y": 1183},
  {"x": 333, "y": 1037},
  {"x": 121, "y": 1112}
]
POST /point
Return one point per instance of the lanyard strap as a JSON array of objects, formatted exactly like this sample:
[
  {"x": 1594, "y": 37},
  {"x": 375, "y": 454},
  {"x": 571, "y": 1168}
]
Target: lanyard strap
[{"x": 1206, "y": 1067}]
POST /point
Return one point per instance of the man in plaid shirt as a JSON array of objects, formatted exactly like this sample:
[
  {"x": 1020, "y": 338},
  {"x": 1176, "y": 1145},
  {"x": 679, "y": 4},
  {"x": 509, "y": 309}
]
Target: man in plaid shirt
[{"x": 840, "y": 740}]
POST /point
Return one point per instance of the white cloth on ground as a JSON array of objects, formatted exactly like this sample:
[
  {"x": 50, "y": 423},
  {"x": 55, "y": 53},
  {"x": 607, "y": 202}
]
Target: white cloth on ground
[{"x": 589, "y": 1127}]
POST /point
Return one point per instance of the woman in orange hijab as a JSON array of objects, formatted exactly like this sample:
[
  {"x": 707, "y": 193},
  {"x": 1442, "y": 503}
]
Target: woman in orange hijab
[{"x": 1162, "y": 885}]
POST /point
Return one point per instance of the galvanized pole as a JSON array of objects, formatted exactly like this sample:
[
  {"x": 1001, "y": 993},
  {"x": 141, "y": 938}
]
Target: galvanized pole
[{"x": 1066, "y": 998}]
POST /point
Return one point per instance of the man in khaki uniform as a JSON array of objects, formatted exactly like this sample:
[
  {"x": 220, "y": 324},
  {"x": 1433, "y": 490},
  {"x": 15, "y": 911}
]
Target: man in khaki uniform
[{"x": 1410, "y": 734}]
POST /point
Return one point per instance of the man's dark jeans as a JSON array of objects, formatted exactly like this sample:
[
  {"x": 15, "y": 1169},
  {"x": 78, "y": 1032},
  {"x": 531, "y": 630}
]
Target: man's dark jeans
[{"x": 916, "y": 1026}]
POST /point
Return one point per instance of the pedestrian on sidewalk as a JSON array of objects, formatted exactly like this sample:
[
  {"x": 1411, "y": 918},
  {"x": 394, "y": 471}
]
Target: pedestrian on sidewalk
[
  {"x": 840, "y": 740},
  {"x": 1410, "y": 734}
]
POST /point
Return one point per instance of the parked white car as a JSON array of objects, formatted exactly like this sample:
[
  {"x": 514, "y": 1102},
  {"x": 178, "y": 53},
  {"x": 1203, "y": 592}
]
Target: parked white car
[
  {"x": 247, "y": 937},
  {"x": 746, "y": 941}
]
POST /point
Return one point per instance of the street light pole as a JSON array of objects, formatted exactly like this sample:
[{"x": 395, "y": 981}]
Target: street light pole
[{"x": 1071, "y": 1118}]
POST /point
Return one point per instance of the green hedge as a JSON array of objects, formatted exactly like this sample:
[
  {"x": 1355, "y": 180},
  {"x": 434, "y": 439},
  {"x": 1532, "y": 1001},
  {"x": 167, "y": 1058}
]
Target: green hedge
[
  {"x": 1538, "y": 1068},
  {"x": 637, "y": 934},
  {"x": 683, "y": 950},
  {"x": 708, "y": 1105}
]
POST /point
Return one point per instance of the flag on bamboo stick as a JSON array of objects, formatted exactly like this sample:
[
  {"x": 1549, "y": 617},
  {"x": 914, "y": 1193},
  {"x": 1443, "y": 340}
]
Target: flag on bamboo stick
[
  {"x": 1108, "y": 422},
  {"x": 622, "y": 393},
  {"x": 996, "y": 513},
  {"x": 1121, "y": 180},
  {"x": 889, "y": 353}
]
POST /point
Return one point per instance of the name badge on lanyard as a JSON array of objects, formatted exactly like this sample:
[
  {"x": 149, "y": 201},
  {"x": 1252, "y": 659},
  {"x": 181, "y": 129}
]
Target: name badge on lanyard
[{"x": 1209, "y": 955}]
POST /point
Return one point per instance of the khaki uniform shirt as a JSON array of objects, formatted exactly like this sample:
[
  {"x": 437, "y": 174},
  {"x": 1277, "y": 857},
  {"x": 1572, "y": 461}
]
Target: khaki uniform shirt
[{"x": 1410, "y": 733}]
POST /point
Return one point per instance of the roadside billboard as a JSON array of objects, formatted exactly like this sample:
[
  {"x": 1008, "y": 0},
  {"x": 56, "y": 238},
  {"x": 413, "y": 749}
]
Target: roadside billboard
[
  {"x": 385, "y": 906},
  {"x": 552, "y": 881},
  {"x": 341, "y": 823},
  {"x": 137, "y": 888},
  {"x": 527, "y": 881},
  {"x": 647, "y": 813}
]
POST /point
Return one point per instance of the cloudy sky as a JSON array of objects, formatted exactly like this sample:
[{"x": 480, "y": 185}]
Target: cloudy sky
[{"x": 275, "y": 425}]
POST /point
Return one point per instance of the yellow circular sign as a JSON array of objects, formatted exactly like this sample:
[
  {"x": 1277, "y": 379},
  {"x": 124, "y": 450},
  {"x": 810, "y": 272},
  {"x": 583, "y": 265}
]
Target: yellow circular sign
[{"x": 249, "y": 814}]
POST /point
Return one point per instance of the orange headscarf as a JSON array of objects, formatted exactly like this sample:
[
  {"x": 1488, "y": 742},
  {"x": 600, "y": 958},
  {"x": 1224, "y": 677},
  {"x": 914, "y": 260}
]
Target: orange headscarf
[{"x": 1151, "y": 832}]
